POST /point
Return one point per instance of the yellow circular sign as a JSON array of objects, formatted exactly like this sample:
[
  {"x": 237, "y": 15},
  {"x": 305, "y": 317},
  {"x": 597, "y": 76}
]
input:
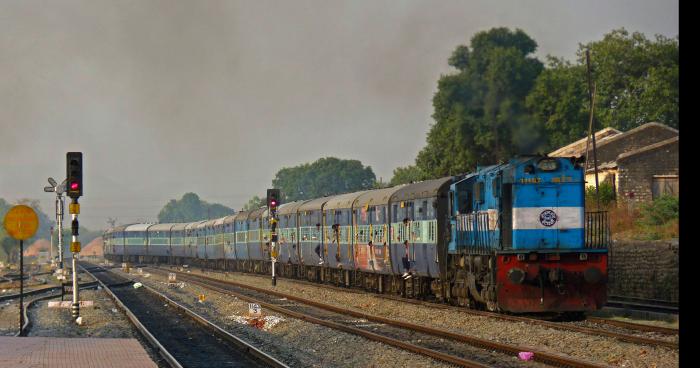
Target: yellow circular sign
[{"x": 21, "y": 222}]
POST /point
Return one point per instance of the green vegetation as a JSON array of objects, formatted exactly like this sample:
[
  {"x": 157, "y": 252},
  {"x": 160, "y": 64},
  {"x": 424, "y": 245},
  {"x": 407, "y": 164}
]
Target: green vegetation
[
  {"x": 654, "y": 220},
  {"x": 190, "y": 208},
  {"x": 605, "y": 191},
  {"x": 502, "y": 101},
  {"x": 404, "y": 175},
  {"x": 660, "y": 211},
  {"x": 325, "y": 176},
  {"x": 254, "y": 203}
]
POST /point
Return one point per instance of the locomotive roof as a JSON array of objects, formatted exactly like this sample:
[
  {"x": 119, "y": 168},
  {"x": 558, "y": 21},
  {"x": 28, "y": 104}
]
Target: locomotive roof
[
  {"x": 423, "y": 189},
  {"x": 343, "y": 200},
  {"x": 229, "y": 219},
  {"x": 219, "y": 221},
  {"x": 314, "y": 204},
  {"x": 161, "y": 227},
  {"x": 290, "y": 207},
  {"x": 376, "y": 197}
]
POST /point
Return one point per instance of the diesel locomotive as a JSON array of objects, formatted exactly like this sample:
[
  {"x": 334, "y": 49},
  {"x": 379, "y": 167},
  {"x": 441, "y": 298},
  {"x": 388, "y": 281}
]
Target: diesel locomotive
[{"x": 513, "y": 237}]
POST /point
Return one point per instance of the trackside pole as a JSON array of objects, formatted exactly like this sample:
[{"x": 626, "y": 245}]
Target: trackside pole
[
  {"x": 75, "y": 249},
  {"x": 21, "y": 286}
]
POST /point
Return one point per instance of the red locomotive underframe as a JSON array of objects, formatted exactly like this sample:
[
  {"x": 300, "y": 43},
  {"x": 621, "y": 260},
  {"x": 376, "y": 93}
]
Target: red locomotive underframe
[{"x": 569, "y": 293}]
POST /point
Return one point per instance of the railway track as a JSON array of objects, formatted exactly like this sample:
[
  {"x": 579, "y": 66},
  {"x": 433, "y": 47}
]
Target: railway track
[
  {"x": 622, "y": 331},
  {"x": 182, "y": 337},
  {"x": 641, "y": 304},
  {"x": 458, "y": 349}
]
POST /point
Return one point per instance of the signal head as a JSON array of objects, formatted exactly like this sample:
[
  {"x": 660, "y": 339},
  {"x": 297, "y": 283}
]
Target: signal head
[{"x": 74, "y": 174}]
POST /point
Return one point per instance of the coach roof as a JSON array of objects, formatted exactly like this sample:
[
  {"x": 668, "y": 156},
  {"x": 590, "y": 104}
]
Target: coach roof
[
  {"x": 314, "y": 204},
  {"x": 161, "y": 227},
  {"x": 137, "y": 227},
  {"x": 376, "y": 197},
  {"x": 343, "y": 200},
  {"x": 422, "y": 189},
  {"x": 289, "y": 208}
]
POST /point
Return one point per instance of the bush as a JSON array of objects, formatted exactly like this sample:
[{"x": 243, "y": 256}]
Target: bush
[
  {"x": 660, "y": 211},
  {"x": 606, "y": 192}
]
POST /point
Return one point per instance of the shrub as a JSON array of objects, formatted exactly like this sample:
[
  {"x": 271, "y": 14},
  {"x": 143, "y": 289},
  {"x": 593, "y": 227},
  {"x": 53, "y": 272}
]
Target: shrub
[
  {"x": 660, "y": 211},
  {"x": 606, "y": 192}
]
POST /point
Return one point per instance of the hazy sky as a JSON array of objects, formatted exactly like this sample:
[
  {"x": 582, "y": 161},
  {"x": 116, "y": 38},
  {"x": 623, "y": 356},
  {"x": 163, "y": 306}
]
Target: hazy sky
[{"x": 165, "y": 97}]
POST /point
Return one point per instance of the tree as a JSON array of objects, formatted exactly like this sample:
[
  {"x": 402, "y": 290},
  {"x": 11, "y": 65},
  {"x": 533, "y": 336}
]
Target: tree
[
  {"x": 190, "y": 208},
  {"x": 254, "y": 203},
  {"x": 408, "y": 174},
  {"x": 480, "y": 114},
  {"x": 636, "y": 83},
  {"x": 325, "y": 176}
]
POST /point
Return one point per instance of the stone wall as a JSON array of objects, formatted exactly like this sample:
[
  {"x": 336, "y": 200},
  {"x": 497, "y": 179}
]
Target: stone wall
[
  {"x": 636, "y": 172},
  {"x": 644, "y": 269},
  {"x": 631, "y": 140}
]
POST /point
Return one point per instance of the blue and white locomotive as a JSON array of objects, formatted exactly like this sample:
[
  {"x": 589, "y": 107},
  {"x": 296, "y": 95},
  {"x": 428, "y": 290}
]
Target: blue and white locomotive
[{"x": 512, "y": 237}]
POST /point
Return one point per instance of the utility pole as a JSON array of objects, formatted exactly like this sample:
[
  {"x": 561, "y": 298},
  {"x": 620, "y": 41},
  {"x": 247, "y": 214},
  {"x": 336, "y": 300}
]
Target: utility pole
[{"x": 591, "y": 127}]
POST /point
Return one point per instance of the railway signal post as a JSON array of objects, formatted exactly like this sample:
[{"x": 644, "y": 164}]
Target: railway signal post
[
  {"x": 74, "y": 175},
  {"x": 273, "y": 196},
  {"x": 59, "y": 189}
]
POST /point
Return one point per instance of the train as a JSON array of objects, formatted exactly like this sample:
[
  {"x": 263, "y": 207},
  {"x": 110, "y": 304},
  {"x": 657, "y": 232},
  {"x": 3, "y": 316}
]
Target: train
[{"x": 513, "y": 237}]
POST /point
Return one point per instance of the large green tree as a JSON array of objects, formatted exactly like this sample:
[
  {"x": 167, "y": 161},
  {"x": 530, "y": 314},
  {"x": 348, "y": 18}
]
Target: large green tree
[
  {"x": 254, "y": 203},
  {"x": 636, "y": 82},
  {"x": 191, "y": 208},
  {"x": 480, "y": 114},
  {"x": 407, "y": 174},
  {"x": 325, "y": 176}
]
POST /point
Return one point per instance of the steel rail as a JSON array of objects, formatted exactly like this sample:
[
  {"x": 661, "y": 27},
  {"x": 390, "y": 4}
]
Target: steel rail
[
  {"x": 507, "y": 317},
  {"x": 243, "y": 345},
  {"x": 541, "y": 356},
  {"x": 634, "y": 326},
  {"x": 43, "y": 290},
  {"x": 139, "y": 326}
]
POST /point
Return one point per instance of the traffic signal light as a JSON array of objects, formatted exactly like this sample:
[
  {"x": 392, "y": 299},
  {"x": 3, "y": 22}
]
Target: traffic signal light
[
  {"x": 273, "y": 198},
  {"x": 74, "y": 174}
]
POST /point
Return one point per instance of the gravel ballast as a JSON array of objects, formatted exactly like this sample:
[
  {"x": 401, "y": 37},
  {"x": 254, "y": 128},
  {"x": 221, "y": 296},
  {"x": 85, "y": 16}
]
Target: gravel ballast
[
  {"x": 598, "y": 349},
  {"x": 296, "y": 343}
]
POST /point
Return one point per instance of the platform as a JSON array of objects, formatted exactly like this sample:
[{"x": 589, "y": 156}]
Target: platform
[{"x": 61, "y": 352}]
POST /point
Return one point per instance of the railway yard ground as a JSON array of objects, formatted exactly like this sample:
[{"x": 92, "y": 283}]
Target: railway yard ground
[{"x": 300, "y": 340}]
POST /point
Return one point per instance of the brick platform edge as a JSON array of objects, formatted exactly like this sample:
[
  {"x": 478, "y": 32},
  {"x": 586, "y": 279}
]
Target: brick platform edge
[{"x": 62, "y": 352}]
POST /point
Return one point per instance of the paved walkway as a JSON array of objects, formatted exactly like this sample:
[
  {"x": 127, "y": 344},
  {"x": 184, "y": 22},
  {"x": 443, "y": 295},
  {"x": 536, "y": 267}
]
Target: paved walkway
[{"x": 60, "y": 352}]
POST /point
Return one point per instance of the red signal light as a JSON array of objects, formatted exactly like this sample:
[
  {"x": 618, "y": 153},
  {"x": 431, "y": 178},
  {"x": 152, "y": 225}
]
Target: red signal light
[
  {"x": 273, "y": 203},
  {"x": 74, "y": 186}
]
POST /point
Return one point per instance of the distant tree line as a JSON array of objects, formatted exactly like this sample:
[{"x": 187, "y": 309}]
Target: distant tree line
[{"x": 191, "y": 208}]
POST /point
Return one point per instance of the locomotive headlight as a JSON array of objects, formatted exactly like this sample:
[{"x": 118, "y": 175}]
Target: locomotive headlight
[{"x": 548, "y": 164}]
